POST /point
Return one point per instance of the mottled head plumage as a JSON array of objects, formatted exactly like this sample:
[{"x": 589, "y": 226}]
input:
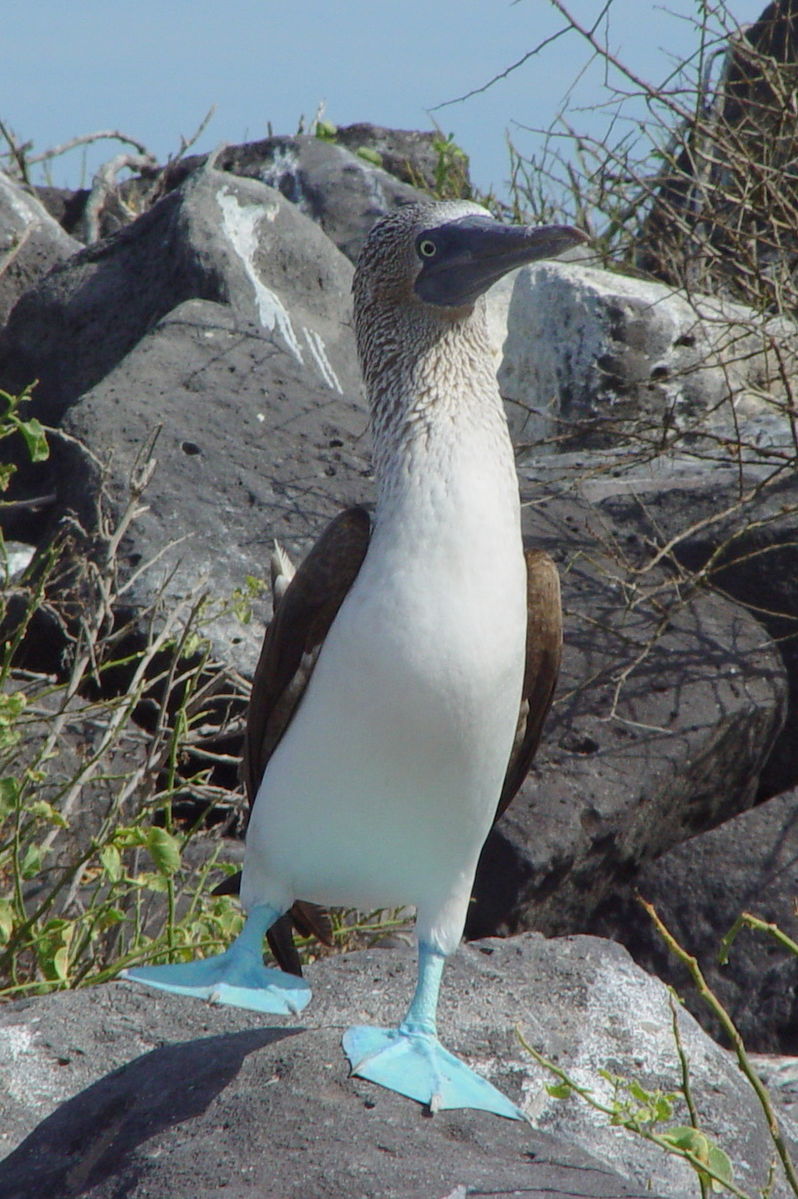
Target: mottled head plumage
[
  {"x": 447, "y": 254},
  {"x": 389, "y": 262},
  {"x": 424, "y": 267}
]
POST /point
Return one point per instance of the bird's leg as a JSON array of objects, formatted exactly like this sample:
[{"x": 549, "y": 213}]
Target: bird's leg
[
  {"x": 411, "y": 1059},
  {"x": 237, "y": 977},
  {"x": 422, "y": 1014}
]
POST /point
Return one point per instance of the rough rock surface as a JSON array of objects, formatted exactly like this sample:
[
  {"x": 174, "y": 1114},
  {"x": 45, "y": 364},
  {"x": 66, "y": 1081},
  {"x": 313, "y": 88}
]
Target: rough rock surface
[
  {"x": 340, "y": 190},
  {"x": 234, "y": 343},
  {"x": 411, "y": 156},
  {"x": 246, "y": 452},
  {"x": 594, "y": 357},
  {"x": 745, "y": 527},
  {"x": 665, "y": 713},
  {"x": 219, "y": 238},
  {"x": 120, "y": 1091},
  {"x": 31, "y": 242},
  {"x": 699, "y": 889},
  {"x": 344, "y": 192}
]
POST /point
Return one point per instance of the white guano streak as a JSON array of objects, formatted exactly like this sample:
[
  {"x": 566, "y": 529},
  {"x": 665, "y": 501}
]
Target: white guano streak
[
  {"x": 241, "y": 225},
  {"x": 322, "y": 361}
]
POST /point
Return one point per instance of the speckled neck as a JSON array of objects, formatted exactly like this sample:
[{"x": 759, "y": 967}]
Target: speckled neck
[{"x": 431, "y": 386}]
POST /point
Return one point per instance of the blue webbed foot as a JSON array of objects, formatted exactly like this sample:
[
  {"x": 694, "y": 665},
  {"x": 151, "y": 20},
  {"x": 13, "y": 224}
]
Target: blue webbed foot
[
  {"x": 228, "y": 978},
  {"x": 415, "y": 1064},
  {"x": 237, "y": 977}
]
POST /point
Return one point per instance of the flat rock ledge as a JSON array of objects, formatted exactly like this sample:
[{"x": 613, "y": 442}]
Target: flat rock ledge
[{"x": 117, "y": 1091}]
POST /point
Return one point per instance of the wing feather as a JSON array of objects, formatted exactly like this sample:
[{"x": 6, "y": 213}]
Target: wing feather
[
  {"x": 543, "y": 654},
  {"x": 303, "y": 613}
]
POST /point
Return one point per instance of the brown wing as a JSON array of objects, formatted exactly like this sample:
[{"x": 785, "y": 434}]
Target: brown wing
[
  {"x": 543, "y": 653},
  {"x": 290, "y": 648}
]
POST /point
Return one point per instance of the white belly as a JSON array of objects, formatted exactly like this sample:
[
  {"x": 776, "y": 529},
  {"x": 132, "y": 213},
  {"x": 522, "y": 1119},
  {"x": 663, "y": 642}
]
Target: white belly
[{"x": 385, "y": 785}]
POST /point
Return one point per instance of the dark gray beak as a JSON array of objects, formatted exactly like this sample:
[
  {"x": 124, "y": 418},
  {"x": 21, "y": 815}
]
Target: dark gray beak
[{"x": 461, "y": 259}]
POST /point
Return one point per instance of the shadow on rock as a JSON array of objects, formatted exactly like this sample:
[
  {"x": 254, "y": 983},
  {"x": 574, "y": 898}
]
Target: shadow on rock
[{"x": 91, "y": 1137}]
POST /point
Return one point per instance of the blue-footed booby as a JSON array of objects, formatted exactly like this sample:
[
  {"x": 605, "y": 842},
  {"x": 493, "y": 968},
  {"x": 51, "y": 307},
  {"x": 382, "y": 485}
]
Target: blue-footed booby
[{"x": 410, "y": 661}]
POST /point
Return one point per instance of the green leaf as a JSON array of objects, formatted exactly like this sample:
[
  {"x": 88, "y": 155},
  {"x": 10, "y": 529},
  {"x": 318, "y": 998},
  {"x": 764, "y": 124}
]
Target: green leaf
[
  {"x": 639, "y": 1093},
  {"x": 164, "y": 849},
  {"x": 6, "y": 921},
  {"x": 52, "y": 949},
  {"x": 111, "y": 861},
  {"x": 559, "y": 1090},
  {"x": 152, "y": 881},
  {"x": 61, "y": 963},
  {"x": 35, "y": 439},
  {"x": 691, "y": 1139},
  {"x": 31, "y": 863},
  {"x": 369, "y": 155},
  {"x": 46, "y": 811},
  {"x": 12, "y": 705},
  {"x": 720, "y": 1164},
  {"x": 9, "y": 796},
  {"x": 130, "y": 837}
]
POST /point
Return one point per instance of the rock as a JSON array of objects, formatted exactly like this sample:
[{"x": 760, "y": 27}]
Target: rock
[
  {"x": 343, "y": 192},
  {"x": 231, "y": 241},
  {"x": 31, "y": 242},
  {"x": 744, "y": 528},
  {"x": 665, "y": 713},
  {"x": 601, "y": 1013},
  {"x": 254, "y": 386},
  {"x": 248, "y": 451},
  {"x": 780, "y": 1076},
  {"x": 65, "y": 206},
  {"x": 113, "y": 1090},
  {"x": 421, "y": 159},
  {"x": 593, "y": 358},
  {"x": 15, "y": 557},
  {"x": 699, "y": 889}
]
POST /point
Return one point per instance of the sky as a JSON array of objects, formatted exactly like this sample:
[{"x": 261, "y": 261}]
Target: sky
[{"x": 153, "y": 69}]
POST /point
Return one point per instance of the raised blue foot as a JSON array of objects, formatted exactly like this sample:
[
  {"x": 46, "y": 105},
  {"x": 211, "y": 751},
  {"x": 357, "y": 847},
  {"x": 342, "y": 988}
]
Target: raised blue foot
[
  {"x": 237, "y": 977},
  {"x": 416, "y": 1064}
]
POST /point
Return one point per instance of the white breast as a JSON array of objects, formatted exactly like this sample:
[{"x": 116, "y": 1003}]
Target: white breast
[{"x": 384, "y": 787}]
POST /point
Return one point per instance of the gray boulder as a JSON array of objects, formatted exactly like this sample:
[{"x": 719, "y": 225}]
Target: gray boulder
[
  {"x": 593, "y": 358},
  {"x": 248, "y": 449},
  {"x": 220, "y": 318},
  {"x": 741, "y": 526},
  {"x": 699, "y": 889},
  {"x": 219, "y": 238},
  {"x": 419, "y": 158},
  {"x": 342, "y": 191},
  {"x": 113, "y": 1090},
  {"x": 31, "y": 242}
]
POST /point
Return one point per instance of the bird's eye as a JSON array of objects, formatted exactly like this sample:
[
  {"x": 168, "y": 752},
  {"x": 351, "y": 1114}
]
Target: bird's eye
[{"x": 427, "y": 248}]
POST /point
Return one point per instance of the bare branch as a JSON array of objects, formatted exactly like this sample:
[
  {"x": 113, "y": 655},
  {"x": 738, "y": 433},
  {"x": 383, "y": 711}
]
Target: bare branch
[{"x": 86, "y": 139}]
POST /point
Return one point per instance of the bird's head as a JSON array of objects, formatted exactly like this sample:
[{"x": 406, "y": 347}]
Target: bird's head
[{"x": 444, "y": 256}]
